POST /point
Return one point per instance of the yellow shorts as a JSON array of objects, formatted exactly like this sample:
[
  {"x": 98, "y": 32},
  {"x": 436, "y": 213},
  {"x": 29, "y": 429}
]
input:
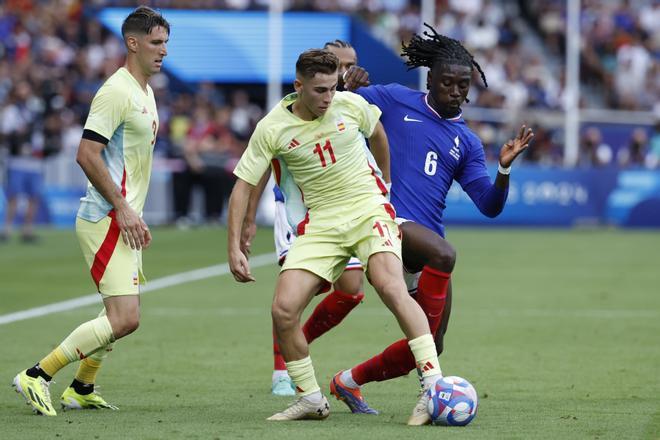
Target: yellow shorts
[
  {"x": 325, "y": 253},
  {"x": 115, "y": 268}
]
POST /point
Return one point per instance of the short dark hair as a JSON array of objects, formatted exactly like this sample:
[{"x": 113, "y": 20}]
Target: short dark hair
[
  {"x": 314, "y": 61},
  {"x": 340, "y": 44},
  {"x": 142, "y": 20}
]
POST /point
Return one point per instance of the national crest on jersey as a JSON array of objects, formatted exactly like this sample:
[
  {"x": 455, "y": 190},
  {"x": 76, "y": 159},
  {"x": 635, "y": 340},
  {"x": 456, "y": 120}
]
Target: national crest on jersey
[{"x": 326, "y": 157}]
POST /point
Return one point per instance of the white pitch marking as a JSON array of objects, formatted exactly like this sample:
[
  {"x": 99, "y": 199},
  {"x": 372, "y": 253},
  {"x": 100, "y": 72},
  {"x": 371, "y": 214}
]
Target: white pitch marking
[{"x": 160, "y": 283}]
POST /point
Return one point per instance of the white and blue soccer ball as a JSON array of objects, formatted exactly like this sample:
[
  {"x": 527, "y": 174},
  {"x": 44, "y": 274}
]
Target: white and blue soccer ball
[{"x": 452, "y": 402}]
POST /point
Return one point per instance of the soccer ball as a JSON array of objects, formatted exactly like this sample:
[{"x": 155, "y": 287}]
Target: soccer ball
[{"x": 452, "y": 402}]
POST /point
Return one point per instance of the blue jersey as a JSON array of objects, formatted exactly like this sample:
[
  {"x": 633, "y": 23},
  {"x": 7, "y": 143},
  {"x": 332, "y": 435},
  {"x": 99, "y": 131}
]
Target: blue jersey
[{"x": 427, "y": 153}]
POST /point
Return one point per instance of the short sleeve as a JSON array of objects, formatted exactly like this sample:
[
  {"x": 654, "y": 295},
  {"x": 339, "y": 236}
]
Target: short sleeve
[
  {"x": 108, "y": 110},
  {"x": 256, "y": 157},
  {"x": 367, "y": 115}
]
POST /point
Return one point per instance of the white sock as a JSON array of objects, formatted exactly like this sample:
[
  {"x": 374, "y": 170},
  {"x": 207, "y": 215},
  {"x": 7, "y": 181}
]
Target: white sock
[
  {"x": 314, "y": 397},
  {"x": 279, "y": 373},
  {"x": 347, "y": 378},
  {"x": 430, "y": 380}
]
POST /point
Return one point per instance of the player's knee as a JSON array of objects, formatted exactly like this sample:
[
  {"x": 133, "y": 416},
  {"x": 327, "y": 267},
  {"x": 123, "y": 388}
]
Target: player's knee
[
  {"x": 127, "y": 325},
  {"x": 283, "y": 316},
  {"x": 391, "y": 290},
  {"x": 442, "y": 256}
]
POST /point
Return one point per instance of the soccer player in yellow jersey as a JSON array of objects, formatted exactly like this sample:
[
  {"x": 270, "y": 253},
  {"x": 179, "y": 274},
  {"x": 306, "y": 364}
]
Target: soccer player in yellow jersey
[
  {"x": 115, "y": 153},
  {"x": 320, "y": 135}
]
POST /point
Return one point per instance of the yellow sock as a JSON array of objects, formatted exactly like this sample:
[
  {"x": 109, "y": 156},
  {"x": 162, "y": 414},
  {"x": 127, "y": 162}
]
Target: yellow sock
[
  {"x": 82, "y": 342},
  {"x": 302, "y": 374},
  {"x": 89, "y": 367},
  {"x": 426, "y": 356},
  {"x": 54, "y": 362}
]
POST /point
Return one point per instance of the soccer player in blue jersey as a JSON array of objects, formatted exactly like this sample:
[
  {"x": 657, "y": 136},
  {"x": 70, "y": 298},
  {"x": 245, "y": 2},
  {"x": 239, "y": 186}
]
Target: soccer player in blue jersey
[{"x": 430, "y": 147}]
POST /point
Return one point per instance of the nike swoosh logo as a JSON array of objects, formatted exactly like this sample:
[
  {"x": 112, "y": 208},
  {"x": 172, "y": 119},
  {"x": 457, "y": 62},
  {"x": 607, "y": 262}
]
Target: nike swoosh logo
[{"x": 409, "y": 119}]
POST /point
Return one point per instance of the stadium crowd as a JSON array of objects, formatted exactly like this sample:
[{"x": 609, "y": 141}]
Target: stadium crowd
[{"x": 53, "y": 58}]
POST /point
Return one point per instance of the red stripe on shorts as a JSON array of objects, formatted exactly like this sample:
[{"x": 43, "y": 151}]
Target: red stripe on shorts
[
  {"x": 102, "y": 257},
  {"x": 300, "y": 230},
  {"x": 390, "y": 210}
]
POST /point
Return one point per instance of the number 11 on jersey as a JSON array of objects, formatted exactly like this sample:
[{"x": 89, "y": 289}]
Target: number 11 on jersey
[{"x": 327, "y": 147}]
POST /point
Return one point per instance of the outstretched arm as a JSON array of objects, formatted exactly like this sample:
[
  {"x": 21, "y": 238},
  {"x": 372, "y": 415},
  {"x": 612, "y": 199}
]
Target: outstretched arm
[
  {"x": 380, "y": 148},
  {"x": 238, "y": 203},
  {"x": 490, "y": 199},
  {"x": 509, "y": 152}
]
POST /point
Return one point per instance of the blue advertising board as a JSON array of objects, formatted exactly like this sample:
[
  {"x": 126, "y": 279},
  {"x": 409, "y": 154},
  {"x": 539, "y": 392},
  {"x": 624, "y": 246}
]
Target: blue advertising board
[{"x": 540, "y": 196}]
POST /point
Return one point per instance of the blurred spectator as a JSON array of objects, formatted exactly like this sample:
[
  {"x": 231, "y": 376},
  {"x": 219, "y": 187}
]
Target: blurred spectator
[
  {"x": 593, "y": 151},
  {"x": 210, "y": 151},
  {"x": 244, "y": 115},
  {"x": 653, "y": 159},
  {"x": 28, "y": 144},
  {"x": 620, "y": 50},
  {"x": 634, "y": 155},
  {"x": 633, "y": 65},
  {"x": 545, "y": 150}
]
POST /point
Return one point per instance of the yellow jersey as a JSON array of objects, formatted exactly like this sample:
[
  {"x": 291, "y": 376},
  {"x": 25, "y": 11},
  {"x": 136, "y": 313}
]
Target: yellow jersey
[{"x": 125, "y": 114}]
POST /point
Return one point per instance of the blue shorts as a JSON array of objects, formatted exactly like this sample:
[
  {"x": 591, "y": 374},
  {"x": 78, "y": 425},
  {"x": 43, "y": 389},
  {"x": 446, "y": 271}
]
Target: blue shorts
[{"x": 29, "y": 183}]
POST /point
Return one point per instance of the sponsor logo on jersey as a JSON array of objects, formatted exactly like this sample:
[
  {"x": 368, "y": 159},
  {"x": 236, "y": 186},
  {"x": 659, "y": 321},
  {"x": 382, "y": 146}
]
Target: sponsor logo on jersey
[
  {"x": 293, "y": 144},
  {"x": 409, "y": 119}
]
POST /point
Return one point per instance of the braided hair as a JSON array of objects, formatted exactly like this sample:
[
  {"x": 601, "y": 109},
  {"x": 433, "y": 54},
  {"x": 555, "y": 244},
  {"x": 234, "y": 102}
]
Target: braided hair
[{"x": 437, "y": 49}]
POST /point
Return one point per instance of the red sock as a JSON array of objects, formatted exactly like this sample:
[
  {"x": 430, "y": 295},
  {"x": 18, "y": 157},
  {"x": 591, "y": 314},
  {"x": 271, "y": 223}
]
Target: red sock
[
  {"x": 278, "y": 360},
  {"x": 395, "y": 361},
  {"x": 330, "y": 312},
  {"x": 432, "y": 295}
]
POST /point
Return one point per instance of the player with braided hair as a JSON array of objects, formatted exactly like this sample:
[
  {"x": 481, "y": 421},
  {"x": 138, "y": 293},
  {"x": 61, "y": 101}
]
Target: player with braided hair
[{"x": 430, "y": 147}]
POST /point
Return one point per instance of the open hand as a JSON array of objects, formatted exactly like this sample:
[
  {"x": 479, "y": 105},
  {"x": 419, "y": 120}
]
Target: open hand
[
  {"x": 513, "y": 147},
  {"x": 134, "y": 231}
]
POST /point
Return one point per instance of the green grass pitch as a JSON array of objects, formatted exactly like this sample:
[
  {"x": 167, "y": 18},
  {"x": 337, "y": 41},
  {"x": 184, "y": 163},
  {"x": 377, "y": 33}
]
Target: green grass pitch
[{"x": 559, "y": 331}]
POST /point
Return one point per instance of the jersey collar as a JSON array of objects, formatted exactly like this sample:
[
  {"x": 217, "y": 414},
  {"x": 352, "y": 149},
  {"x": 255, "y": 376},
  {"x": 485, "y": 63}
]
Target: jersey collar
[{"x": 454, "y": 119}]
